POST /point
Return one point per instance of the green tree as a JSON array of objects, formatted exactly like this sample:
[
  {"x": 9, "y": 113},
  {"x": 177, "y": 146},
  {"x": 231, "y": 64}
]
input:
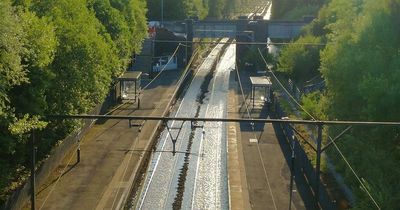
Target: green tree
[
  {"x": 361, "y": 69},
  {"x": 301, "y": 61},
  {"x": 134, "y": 12},
  {"x": 11, "y": 74},
  {"x": 11, "y": 47},
  {"x": 39, "y": 44},
  {"x": 58, "y": 57}
]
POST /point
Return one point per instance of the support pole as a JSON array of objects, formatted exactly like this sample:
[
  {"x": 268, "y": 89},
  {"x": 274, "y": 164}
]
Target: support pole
[
  {"x": 173, "y": 147},
  {"x": 162, "y": 13},
  {"x": 318, "y": 166},
  {"x": 33, "y": 196},
  {"x": 292, "y": 174},
  {"x": 186, "y": 45},
  {"x": 253, "y": 94},
  {"x": 78, "y": 154},
  {"x": 138, "y": 102}
]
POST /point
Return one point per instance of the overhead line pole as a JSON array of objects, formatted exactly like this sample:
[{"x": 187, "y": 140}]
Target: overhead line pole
[
  {"x": 33, "y": 190},
  {"x": 162, "y": 12},
  {"x": 318, "y": 165}
]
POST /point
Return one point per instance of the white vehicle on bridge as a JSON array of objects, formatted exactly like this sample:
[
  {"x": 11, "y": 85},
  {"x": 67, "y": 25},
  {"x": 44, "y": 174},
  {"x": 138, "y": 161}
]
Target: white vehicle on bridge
[{"x": 163, "y": 64}]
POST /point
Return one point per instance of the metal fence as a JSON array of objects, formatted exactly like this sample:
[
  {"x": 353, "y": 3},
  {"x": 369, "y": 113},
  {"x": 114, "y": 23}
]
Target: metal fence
[
  {"x": 21, "y": 196},
  {"x": 304, "y": 171}
]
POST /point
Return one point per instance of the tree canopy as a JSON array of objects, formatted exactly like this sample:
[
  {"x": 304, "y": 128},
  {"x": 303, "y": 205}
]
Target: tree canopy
[
  {"x": 58, "y": 57},
  {"x": 361, "y": 66},
  {"x": 182, "y": 9},
  {"x": 301, "y": 61}
]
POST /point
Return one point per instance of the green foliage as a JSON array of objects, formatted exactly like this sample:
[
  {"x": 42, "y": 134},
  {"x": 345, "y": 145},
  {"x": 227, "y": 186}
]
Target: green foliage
[
  {"x": 11, "y": 48},
  {"x": 26, "y": 124},
  {"x": 115, "y": 25},
  {"x": 40, "y": 44},
  {"x": 360, "y": 65},
  {"x": 315, "y": 104},
  {"x": 134, "y": 12},
  {"x": 361, "y": 68},
  {"x": 177, "y": 9},
  {"x": 83, "y": 64},
  {"x": 58, "y": 57},
  {"x": 282, "y": 8},
  {"x": 214, "y": 9},
  {"x": 301, "y": 61},
  {"x": 300, "y": 11}
]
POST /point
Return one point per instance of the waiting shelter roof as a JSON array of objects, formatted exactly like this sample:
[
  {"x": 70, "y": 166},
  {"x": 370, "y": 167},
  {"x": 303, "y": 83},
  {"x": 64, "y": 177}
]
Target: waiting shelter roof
[
  {"x": 261, "y": 81},
  {"x": 130, "y": 76}
]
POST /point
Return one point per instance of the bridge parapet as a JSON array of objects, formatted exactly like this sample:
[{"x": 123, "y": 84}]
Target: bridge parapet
[
  {"x": 230, "y": 28},
  {"x": 214, "y": 29},
  {"x": 261, "y": 28}
]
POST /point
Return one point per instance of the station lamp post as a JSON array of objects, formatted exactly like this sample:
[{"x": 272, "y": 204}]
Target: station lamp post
[{"x": 162, "y": 12}]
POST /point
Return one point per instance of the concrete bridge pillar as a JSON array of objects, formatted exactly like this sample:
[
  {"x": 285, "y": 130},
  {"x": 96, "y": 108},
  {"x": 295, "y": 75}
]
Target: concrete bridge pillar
[
  {"x": 260, "y": 29},
  {"x": 241, "y": 36},
  {"x": 189, "y": 39}
]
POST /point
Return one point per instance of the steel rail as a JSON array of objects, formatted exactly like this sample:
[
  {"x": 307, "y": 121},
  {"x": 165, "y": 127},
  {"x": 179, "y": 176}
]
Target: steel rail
[{"x": 144, "y": 191}]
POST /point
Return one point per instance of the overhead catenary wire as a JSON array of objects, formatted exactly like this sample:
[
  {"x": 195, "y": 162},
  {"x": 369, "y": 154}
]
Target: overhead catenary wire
[
  {"x": 354, "y": 173},
  {"x": 57, "y": 181},
  {"x": 148, "y": 84},
  {"x": 162, "y": 70},
  {"x": 183, "y": 77},
  {"x": 283, "y": 87},
  {"x": 109, "y": 112},
  {"x": 252, "y": 127},
  {"x": 202, "y": 119},
  {"x": 333, "y": 142},
  {"x": 241, "y": 43}
]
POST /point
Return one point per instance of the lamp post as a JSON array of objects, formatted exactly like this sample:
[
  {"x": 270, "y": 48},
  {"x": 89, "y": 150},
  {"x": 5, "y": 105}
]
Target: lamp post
[
  {"x": 33, "y": 190},
  {"x": 162, "y": 12},
  {"x": 292, "y": 173}
]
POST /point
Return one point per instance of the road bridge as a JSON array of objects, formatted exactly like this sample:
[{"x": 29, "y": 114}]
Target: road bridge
[
  {"x": 244, "y": 29},
  {"x": 233, "y": 28}
]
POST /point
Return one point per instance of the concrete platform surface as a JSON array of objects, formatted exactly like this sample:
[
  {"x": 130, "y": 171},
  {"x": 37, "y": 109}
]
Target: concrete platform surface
[
  {"x": 259, "y": 176},
  {"x": 110, "y": 154}
]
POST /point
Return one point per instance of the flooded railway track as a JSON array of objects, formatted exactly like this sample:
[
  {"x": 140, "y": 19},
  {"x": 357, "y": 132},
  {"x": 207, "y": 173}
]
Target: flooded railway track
[{"x": 197, "y": 171}]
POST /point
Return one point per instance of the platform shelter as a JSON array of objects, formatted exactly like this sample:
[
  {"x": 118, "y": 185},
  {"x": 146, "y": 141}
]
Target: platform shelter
[
  {"x": 129, "y": 86},
  {"x": 261, "y": 88}
]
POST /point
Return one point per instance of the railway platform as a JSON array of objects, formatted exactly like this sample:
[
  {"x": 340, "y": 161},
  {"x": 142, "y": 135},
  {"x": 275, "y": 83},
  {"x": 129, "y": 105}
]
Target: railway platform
[
  {"x": 259, "y": 176},
  {"x": 110, "y": 155}
]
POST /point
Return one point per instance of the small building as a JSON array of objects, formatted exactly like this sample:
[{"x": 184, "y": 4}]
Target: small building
[
  {"x": 129, "y": 86},
  {"x": 261, "y": 88}
]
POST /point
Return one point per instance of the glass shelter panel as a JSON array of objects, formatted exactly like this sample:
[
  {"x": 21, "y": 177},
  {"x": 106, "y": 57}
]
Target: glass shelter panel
[
  {"x": 260, "y": 90},
  {"x": 128, "y": 90}
]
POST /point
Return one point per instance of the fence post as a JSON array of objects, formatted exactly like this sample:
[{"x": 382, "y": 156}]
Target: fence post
[{"x": 78, "y": 155}]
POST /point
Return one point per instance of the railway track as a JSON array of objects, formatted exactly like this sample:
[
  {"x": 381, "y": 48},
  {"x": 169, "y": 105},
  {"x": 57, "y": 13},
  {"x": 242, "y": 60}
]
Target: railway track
[
  {"x": 259, "y": 11},
  {"x": 170, "y": 181},
  {"x": 196, "y": 176}
]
